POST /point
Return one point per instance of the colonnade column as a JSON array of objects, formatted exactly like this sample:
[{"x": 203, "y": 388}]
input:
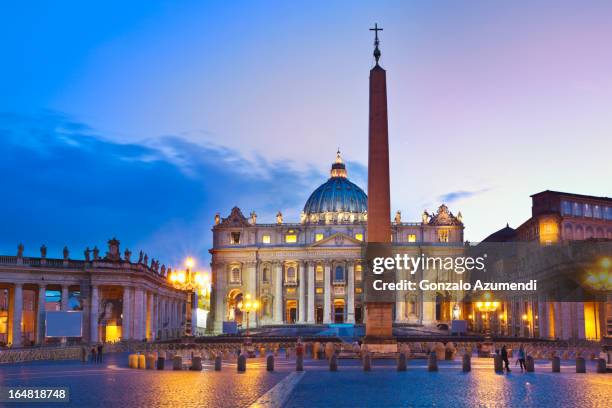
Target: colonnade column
[
  {"x": 327, "y": 295},
  {"x": 311, "y": 293},
  {"x": 302, "y": 293},
  {"x": 138, "y": 295},
  {"x": 126, "y": 320},
  {"x": 219, "y": 276},
  {"x": 350, "y": 314},
  {"x": 278, "y": 293},
  {"x": 93, "y": 313},
  {"x": 65, "y": 297},
  {"x": 17, "y": 313},
  {"x": 42, "y": 301}
]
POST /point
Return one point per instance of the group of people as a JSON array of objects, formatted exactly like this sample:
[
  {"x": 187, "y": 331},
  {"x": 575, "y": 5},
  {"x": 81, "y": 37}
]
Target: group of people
[
  {"x": 520, "y": 360},
  {"x": 95, "y": 353}
]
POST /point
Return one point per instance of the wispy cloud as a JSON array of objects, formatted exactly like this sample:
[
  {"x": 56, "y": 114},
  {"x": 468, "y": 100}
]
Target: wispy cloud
[{"x": 454, "y": 196}]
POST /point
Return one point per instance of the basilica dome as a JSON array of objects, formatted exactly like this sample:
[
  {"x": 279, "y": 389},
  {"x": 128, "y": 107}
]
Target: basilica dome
[{"x": 337, "y": 200}]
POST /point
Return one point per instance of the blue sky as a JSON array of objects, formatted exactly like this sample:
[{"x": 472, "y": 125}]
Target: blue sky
[{"x": 141, "y": 120}]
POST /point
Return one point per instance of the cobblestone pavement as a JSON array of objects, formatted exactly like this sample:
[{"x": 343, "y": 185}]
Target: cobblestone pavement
[{"x": 113, "y": 384}]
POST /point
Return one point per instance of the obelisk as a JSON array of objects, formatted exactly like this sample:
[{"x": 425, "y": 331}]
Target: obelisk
[{"x": 379, "y": 306}]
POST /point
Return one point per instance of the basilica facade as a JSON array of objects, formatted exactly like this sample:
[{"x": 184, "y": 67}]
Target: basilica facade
[{"x": 311, "y": 272}]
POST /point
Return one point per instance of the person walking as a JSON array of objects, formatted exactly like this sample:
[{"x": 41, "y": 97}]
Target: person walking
[
  {"x": 100, "y": 353},
  {"x": 504, "y": 356},
  {"x": 521, "y": 358},
  {"x": 94, "y": 357}
]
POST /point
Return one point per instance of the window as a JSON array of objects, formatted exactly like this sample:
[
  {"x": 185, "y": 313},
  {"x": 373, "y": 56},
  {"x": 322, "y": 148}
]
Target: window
[
  {"x": 443, "y": 235},
  {"x": 290, "y": 275},
  {"x": 235, "y": 238},
  {"x": 290, "y": 290},
  {"x": 235, "y": 276},
  {"x": 608, "y": 213},
  {"x": 411, "y": 237},
  {"x": 566, "y": 208},
  {"x": 597, "y": 211},
  {"x": 265, "y": 239},
  {"x": 266, "y": 275},
  {"x": 358, "y": 273},
  {"x": 319, "y": 291},
  {"x": 318, "y": 237},
  {"x": 358, "y": 290},
  {"x": 319, "y": 274},
  {"x": 339, "y": 274},
  {"x": 577, "y": 210},
  {"x": 588, "y": 210},
  {"x": 291, "y": 238},
  {"x": 359, "y": 237}
]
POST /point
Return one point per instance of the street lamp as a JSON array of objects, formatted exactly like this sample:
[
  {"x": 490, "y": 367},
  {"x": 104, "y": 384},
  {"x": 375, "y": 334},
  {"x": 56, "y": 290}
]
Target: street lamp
[
  {"x": 190, "y": 282},
  {"x": 247, "y": 306}
]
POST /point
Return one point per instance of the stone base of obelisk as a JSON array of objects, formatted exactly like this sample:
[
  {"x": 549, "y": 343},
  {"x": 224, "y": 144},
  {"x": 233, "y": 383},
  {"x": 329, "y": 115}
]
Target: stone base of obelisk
[{"x": 379, "y": 328}]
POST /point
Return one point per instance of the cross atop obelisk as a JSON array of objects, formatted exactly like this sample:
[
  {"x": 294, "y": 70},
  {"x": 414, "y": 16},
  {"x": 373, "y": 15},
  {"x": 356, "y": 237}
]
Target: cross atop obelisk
[{"x": 377, "y": 52}]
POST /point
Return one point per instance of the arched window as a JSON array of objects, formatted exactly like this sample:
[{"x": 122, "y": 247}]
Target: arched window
[
  {"x": 568, "y": 232},
  {"x": 291, "y": 275},
  {"x": 339, "y": 274},
  {"x": 266, "y": 275},
  {"x": 235, "y": 275}
]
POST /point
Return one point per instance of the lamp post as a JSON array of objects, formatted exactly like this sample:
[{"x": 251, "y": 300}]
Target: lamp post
[
  {"x": 190, "y": 282},
  {"x": 485, "y": 308},
  {"x": 247, "y": 306}
]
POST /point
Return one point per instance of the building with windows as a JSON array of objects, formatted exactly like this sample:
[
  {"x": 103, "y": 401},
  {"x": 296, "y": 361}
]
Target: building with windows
[
  {"x": 311, "y": 272},
  {"x": 562, "y": 226},
  {"x": 118, "y": 299}
]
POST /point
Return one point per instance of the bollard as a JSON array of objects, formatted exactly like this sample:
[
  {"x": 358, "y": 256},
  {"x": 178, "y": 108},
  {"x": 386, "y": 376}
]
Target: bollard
[
  {"x": 270, "y": 363},
  {"x": 580, "y": 365},
  {"x": 196, "y": 363},
  {"x": 299, "y": 362},
  {"x": 601, "y": 366},
  {"x": 315, "y": 350},
  {"x": 241, "y": 366},
  {"x": 498, "y": 364},
  {"x": 556, "y": 364},
  {"x": 141, "y": 362},
  {"x": 150, "y": 362},
  {"x": 401, "y": 362},
  {"x": 161, "y": 362},
  {"x": 529, "y": 364},
  {"x": 218, "y": 363},
  {"x": 467, "y": 363},
  {"x": 432, "y": 364},
  {"x": 333, "y": 363},
  {"x": 367, "y": 362},
  {"x": 132, "y": 361},
  {"x": 177, "y": 363}
]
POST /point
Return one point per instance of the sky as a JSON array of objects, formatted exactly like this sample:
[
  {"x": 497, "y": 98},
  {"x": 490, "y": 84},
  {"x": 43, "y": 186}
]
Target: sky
[{"x": 143, "y": 119}]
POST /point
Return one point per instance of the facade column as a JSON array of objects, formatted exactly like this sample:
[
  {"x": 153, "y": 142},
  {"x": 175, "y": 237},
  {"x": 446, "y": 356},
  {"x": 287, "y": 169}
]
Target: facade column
[
  {"x": 278, "y": 293},
  {"x": 42, "y": 301},
  {"x": 302, "y": 293},
  {"x": 93, "y": 335},
  {"x": 251, "y": 280},
  {"x": 149, "y": 315},
  {"x": 327, "y": 294},
  {"x": 350, "y": 314},
  {"x": 311, "y": 293},
  {"x": 17, "y": 315},
  {"x": 65, "y": 297},
  {"x": 219, "y": 295},
  {"x": 126, "y": 319}
]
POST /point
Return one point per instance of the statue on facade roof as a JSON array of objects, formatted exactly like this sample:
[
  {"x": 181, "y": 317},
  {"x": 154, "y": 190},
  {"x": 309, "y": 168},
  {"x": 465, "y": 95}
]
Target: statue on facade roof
[
  {"x": 425, "y": 217},
  {"x": 20, "y": 251},
  {"x": 279, "y": 218},
  {"x": 96, "y": 253},
  {"x": 140, "y": 255},
  {"x": 398, "y": 217},
  {"x": 217, "y": 218},
  {"x": 43, "y": 251},
  {"x": 253, "y": 218},
  {"x": 127, "y": 255},
  {"x": 146, "y": 260},
  {"x": 66, "y": 253},
  {"x": 163, "y": 269},
  {"x": 87, "y": 253}
]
